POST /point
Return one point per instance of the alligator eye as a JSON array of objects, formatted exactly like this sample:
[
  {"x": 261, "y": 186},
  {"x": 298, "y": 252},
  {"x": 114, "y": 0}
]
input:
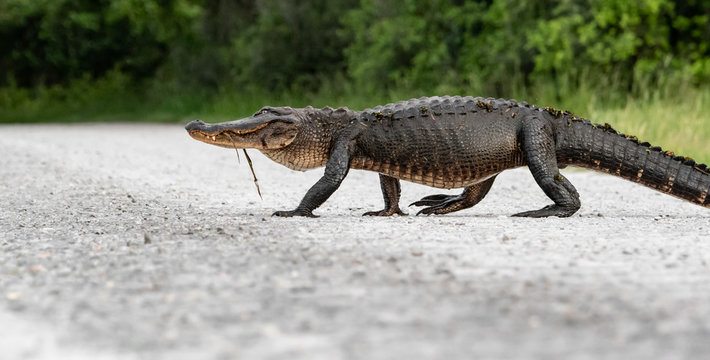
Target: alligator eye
[{"x": 261, "y": 112}]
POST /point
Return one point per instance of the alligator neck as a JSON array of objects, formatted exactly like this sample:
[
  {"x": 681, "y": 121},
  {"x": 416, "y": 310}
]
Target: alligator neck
[{"x": 317, "y": 131}]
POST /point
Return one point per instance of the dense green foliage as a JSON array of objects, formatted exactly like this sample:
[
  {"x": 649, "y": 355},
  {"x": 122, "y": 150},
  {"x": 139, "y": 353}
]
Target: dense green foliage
[
  {"x": 47, "y": 42},
  {"x": 500, "y": 45},
  {"x": 490, "y": 46}
]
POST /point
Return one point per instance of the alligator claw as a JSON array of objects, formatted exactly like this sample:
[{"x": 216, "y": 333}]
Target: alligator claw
[
  {"x": 438, "y": 204},
  {"x": 432, "y": 200},
  {"x": 424, "y": 203},
  {"x": 385, "y": 212},
  {"x": 292, "y": 213},
  {"x": 426, "y": 211},
  {"x": 549, "y": 210},
  {"x": 437, "y": 209}
]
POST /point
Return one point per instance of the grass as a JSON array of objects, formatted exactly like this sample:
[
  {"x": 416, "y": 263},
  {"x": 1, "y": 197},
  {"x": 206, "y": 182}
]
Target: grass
[{"x": 675, "y": 118}]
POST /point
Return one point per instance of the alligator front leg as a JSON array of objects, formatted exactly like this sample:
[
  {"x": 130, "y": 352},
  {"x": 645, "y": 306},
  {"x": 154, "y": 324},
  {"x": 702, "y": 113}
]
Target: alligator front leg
[
  {"x": 335, "y": 171},
  {"x": 444, "y": 204},
  {"x": 539, "y": 149},
  {"x": 390, "y": 191}
]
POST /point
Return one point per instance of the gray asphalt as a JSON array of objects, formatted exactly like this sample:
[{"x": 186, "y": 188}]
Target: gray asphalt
[{"x": 136, "y": 242}]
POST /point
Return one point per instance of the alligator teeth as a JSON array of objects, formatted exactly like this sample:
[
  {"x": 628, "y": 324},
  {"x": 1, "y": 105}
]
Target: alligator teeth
[{"x": 214, "y": 138}]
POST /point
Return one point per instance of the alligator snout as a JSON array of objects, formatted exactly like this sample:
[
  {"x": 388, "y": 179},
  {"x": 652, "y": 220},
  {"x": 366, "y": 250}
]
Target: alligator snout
[{"x": 195, "y": 125}]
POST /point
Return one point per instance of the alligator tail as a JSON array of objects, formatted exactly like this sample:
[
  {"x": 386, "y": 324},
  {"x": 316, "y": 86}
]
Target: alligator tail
[{"x": 600, "y": 147}]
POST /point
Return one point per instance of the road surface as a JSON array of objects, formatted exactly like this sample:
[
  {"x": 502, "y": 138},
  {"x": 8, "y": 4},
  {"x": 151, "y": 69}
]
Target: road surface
[{"x": 133, "y": 241}]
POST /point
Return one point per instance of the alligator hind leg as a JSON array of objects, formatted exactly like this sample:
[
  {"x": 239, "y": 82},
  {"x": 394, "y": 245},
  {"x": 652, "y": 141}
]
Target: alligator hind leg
[
  {"x": 443, "y": 204},
  {"x": 391, "y": 191},
  {"x": 539, "y": 149}
]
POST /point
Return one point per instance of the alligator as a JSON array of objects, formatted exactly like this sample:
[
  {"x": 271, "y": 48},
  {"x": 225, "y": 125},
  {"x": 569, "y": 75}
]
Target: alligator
[{"x": 453, "y": 142}]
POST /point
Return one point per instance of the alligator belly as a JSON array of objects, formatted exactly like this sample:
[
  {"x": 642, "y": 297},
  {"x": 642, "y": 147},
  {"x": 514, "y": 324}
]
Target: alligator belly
[{"x": 445, "y": 176}]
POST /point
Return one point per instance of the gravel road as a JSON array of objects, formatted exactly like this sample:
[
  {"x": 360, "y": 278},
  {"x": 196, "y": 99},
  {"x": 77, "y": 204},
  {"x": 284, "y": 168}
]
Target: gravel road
[{"x": 133, "y": 241}]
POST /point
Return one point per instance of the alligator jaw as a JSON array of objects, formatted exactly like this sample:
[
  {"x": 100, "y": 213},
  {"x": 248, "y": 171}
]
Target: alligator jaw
[
  {"x": 246, "y": 133},
  {"x": 219, "y": 139},
  {"x": 221, "y": 134}
]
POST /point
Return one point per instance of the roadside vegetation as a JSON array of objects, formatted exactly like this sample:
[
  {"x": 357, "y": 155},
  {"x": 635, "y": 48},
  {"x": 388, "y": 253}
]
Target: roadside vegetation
[{"x": 641, "y": 66}]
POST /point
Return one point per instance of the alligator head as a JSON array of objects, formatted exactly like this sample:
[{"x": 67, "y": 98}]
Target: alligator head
[
  {"x": 269, "y": 128},
  {"x": 299, "y": 139}
]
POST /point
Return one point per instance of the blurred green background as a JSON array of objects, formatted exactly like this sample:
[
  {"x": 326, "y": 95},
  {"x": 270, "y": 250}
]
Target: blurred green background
[{"x": 643, "y": 66}]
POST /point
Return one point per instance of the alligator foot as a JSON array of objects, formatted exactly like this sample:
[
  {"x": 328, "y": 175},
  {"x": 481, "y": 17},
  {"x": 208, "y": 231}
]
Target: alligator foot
[
  {"x": 444, "y": 204},
  {"x": 549, "y": 210},
  {"x": 390, "y": 190},
  {"x": 296, "y": 212},
  {"x": 432, "y": 200},
  {"x": 440, "y": 204},
  {"x": 385, "y": 212}
]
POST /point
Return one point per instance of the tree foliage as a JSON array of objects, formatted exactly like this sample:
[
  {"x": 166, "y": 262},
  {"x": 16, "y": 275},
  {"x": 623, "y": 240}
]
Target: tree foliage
[
  {"x": 484, "y": 46},
  {"x": 54, "y": 41},
  {"x": 495, "y": 46}
]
